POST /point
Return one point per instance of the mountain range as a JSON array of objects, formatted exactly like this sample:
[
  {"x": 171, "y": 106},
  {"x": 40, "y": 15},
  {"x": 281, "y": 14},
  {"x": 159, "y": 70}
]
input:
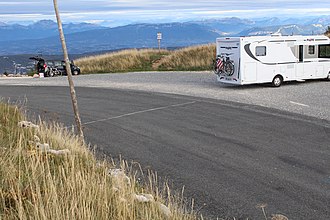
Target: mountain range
[
  {"x": 42, "y": 36},
  {"x": 40, "y": 29}
]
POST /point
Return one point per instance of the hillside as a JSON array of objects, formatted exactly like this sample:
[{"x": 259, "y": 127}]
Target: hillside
[{"x": 190, "y": 58}]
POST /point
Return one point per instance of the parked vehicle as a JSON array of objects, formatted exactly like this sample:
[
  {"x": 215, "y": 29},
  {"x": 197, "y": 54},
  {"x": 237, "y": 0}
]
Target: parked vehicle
[
  {"x": 272, "y": 59},
  {"x": 52, "y": 68},
  {"x": 40, "y": 66},
  {"x": 60, "y": 65}
]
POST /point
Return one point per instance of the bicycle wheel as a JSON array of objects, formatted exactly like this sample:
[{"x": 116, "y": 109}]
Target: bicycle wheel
[{"x": 229, "y": 68}]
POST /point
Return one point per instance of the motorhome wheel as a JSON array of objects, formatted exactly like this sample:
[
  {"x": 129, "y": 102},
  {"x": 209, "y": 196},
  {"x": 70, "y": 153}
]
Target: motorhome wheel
[{"x": 277, "y": 81}]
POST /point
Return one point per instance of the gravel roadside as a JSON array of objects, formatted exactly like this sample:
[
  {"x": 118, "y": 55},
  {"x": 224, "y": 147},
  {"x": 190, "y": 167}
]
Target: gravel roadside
[{"x": 311, "y": 98}]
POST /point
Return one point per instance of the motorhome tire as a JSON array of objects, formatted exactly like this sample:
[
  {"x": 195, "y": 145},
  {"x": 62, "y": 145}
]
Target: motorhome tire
[
  {"x": 328, "y": 78},
  {"x": 277, "y": 81}
]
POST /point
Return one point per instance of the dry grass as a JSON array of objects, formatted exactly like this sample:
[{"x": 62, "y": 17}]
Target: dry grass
[
  {"x": 189, "y": 59},
  {"x": 40, "y": 185},
  {"x": 122, "y": 61}
]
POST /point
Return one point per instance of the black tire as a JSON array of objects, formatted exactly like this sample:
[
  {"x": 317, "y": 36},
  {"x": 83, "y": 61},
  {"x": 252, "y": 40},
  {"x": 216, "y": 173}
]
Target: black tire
[
  {"x": 277, "y": 81},
  {"x": 328, "y": 77},
  {"x": 229, "y": 68},
  {"x": 215, "y": 69}
]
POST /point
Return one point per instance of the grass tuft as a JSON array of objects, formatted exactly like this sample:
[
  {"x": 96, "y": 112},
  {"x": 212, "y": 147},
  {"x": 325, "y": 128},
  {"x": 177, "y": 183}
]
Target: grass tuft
[{"x": 39, "y": 185}]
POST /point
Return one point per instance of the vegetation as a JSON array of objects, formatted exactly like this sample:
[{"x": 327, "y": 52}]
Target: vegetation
[
  {"x": 327, "y": 32},
  {"x": 122, "y": 61},
  {"x": 191, "y": 58},
  {"x": 36, "y": 183}
]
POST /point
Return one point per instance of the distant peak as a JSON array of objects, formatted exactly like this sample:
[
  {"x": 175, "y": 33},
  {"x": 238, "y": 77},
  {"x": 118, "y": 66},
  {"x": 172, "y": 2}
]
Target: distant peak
[
  {"x": 3, "y": 24},
  {"x": 48, "y": 21},
  {"x": 44, "y": 22}
]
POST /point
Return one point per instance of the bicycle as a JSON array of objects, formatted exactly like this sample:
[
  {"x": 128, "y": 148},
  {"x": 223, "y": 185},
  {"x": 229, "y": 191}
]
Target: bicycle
[{"x": 223, "y": 65}]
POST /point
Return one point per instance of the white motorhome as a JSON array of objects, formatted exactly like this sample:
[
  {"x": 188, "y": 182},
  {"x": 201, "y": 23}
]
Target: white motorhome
[{"x": 272, "y": 59}]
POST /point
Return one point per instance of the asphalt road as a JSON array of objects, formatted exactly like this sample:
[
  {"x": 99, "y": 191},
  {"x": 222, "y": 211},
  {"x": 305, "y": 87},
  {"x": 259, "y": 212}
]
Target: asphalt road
[
  {"x": 231, "y": 157},
  {"x": 310, "y": 98}
]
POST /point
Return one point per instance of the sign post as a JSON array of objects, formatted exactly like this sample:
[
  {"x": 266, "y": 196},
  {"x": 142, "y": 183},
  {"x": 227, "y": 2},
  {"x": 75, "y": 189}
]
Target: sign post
[{"x": 159, "y": 37}]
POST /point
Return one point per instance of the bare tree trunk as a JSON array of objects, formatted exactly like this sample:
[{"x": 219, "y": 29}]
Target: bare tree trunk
[{"x": 68, "y": 70}]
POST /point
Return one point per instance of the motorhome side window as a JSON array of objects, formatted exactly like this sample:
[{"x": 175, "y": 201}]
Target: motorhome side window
[
  {"x": 324, "y": 51},
  {"x": 261, "y": 51},
  {"x": 311, "y": 49}
]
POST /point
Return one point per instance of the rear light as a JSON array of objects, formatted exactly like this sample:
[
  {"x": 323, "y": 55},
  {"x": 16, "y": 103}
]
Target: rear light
[{"x": 45, "y": 65}]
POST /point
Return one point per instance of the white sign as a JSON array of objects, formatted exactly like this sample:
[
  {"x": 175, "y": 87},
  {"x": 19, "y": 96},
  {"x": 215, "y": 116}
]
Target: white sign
[{"x": 159, "y": 36}]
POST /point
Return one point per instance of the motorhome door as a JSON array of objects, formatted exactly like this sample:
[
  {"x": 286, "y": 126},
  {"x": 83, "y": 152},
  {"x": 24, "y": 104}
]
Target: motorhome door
[{"x": 300, "y": 64}]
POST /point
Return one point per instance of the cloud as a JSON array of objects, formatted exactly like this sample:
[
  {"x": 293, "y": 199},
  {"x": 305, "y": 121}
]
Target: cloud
[
  {"x": 128, "y": 11},
  {"x": 4, "y": 3},
  {"x": 19, "y": 17}
]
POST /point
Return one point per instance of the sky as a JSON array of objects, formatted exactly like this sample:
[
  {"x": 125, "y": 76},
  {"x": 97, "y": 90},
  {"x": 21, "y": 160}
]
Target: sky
[{"x": 121, "y": 12}]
